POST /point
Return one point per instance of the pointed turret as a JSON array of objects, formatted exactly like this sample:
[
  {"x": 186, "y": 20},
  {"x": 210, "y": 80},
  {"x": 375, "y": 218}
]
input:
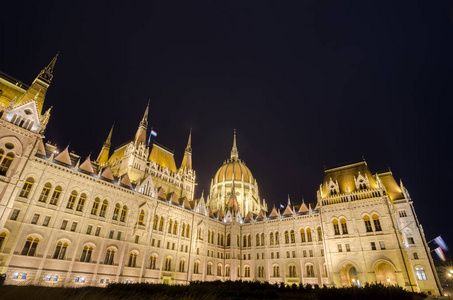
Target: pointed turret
[
  {"x": 187, "y": 160},
  {"x": 140, "y": 136},
  {"x": 87, "y": 166},
  {"x": 38, "y": 88},
  {"x": 234, "y": 150},
  {"x": 104, "y": 154},
  {"x": 288, "y": 212},
  {"x": 303, "y": 208},
  {"x": 63, "y": 157}
]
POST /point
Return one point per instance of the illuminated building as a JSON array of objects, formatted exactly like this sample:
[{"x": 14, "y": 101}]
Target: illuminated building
[{"x": 131, "y": 216}]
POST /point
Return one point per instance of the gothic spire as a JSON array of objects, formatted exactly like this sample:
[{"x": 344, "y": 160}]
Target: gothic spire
[
  {"x": 187, "y": 160},
  {"x": 46, "y": 74},
  {"x": 104, "y": 154},
  {"x": 234, "y": 150},
  {"x": 140, "y": 136}
]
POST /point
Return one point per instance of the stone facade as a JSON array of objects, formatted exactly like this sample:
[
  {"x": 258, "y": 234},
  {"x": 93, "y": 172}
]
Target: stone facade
[{"x": 133, "y": 218}]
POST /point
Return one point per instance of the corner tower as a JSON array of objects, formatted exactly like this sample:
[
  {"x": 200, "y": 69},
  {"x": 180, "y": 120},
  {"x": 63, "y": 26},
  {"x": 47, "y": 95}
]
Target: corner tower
[{"x": 235, "y": 177}]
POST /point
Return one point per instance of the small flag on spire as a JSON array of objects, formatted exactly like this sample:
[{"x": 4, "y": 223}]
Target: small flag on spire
[
  {"x": 440, "y": 241},
  {"x": 153, "y": 133},
  {"x": 281, "y": 206},
  {"x": 440, "y": 253}
]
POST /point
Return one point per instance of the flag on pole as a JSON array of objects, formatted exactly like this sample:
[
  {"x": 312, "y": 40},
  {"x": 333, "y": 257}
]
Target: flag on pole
[
  {"x": 440, "y": 253},
  {"x": 153, "y": 133},
  {"x": 440, "y": 241},
  {"x": 281, "y": 206}
]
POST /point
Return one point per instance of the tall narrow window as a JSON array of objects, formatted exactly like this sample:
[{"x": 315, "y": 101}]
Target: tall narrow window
[
  {"x": 377, "y": 223},
  {"x": 6, "y": 163},
  {"x": 183, "y": 229},
  {"x": 196, "y": 268},
  {"x": 293, "y": 240},
  {"x": 277, "y": 240},
  {"x": 141, "y": 218},
  {"x": 96, "y": 202},
  {"x": 302, "y": 235},
  {"x": 170, "y": 225},
  {"x": 309, "y": 239},
  {"x": 167, "y": 264},
  {"x": 152, "y": 264},
  {"x": 123, "y": 214},
  {"x": 175, "y": 227},
  {"x": 27, "y": 187},
  {"x": 257, "y": 239},
  {"x": 60, "y": 250},
  {"x": 30, "y": 247},
  {"x": 132, "y": 260},
  {"x": 310, "y": 271},
  {"x": 368, "y": 227},
  {"x": 86, "y": 254},
  {"x": 71, "y": 200},
  {"x": 336, "y": 228},
  {"x": 109, "y": 257},
  {"x": 161, "y": 224},
  {"x": 55, "y": 196},
  {"x": 182, "y": 265},
  {"x": 244, "y": 241},
  {"x": 262, "y": 239},
  {"x": 344, "y": 226},
  {"x": 319, "y": 234},
  {"x": 188, "y": 230},
  {"x": 249, "y": 239},
  {"x": 81, "y": 202},
  {"x": 105, "y": 203},
  {"x": 271, "y": 238},
  {"x": 45, "y": 192},
  {"x": 286, "y": 237},
  {"x": 116, "y": 211},
  {"x": 156, "y": 222},
  {"x": 420, "y": 272}
]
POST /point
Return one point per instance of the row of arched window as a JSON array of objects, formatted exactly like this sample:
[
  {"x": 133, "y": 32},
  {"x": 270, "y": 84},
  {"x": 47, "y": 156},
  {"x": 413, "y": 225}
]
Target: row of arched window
[
  {"x": 75, "y": 201},
  {"x": 366, "y": 219},
  {"x": 172, "y": 227},
  {"x": 211, "y": 238}
]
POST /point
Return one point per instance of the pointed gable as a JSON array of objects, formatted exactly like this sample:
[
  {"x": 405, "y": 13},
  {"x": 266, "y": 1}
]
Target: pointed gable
[
  {"x": 174, "y": 199},
  {"x": 303, "y": 208},
  {"x": 187, "y": 204},
  {"x": 210, "y": 213},
  {"x": 107, "y": 174},
  {"x": 63, "y": 157},
  {"x": 25, "y": 115},
  {"x": 288, "y": 212},
  {"x": 87, "y": 166},
  {"x": 41, "y": 148},
  {"x": 248, "y": 217},
  {"x": 161, "y": 194},
  {"x": 273, "y": 214},
  {"x": 125, "y": 181},
  {"x": 260, "y": 216}
]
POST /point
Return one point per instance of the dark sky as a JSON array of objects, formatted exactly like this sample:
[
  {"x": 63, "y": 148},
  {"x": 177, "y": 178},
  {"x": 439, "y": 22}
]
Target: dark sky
[{"x": 306, "y": 84}]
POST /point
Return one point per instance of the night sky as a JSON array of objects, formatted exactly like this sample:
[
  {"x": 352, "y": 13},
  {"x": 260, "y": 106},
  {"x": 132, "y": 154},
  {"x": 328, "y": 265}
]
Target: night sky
[{"x": 307, "y": 85}]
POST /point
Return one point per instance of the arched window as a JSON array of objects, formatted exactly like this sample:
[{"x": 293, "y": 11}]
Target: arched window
[
  {"x": 45, "y": 192},
  {"x": 182, "y": 264},
  {"x": 183, "y": 230},
  {"x": 228, "y": 241},
  {"x": 277, "y": 240},
  {"x": 286, "y": 237},
  {"x": 276, "y": 271},
  {"x": 377, "y": 223},
  {"x": 81, "y": 202},
  {"x": 257, "y": 239},
  {"x": 105, "y": 203},
  {"x": 319, "y": 234},
  {"x": 188, "y": 230},
  {"x": 71, "y": 200},
  {"x": 353, "y": 277},
  {"x": 271, "y": 238},
  {"x": 86, "y": 254},
  {"x": 336, "y": 228},
  {"x": 2, "y": 239},
  {"x": 212, "y": 237},
  {"x": 116, "y": 211},
  {"x": 221, "y": 239},
  {"x": 175, "y": 227},
  {"x": 310, "y": 271},
  {"x": 293, "y": 240},
  {"x": 27, "y": 187},
  {"x": 262, "y": 239},
  {"x": 292, "y": 271},
  {"x": 209, "y": 236},
  {"x": 344, "y": 226},
  {"x": 132, "y": 260},
  {"x": 30, "y": 246},
  {"x": 167, "y": 264},
  {"x": 170, "y": 225},
  {"x": 309, "y": 239},
  {"x": 123, "y": 214},
  {"x": 141, "y": 218},
  {"x": 244, "y": 241},
  {"x": 218, "y": 239},
  {"x": 94, "y": 209},
  {"x": 196, "y": 267},
  {"x": 161, "y": 224},
  {"x": 420, "y": 272},
  {"x": 6, "y": 163},
  {"x": 56, "y": 195},
  {"x": 368, "y": 227},
  {"x": 152, "y": 262},
  {"x": 219, "y": 270},
  {"x": 156, "y": 221},
  {"x": 109, "y": 257},
  {"x": 302, "y": 235},
  {"x": 60, "y": 250},
  {"x": 227, "y": 271},
  {"x": 249, "y": 239},
  {"x": 247, "y": 271}
]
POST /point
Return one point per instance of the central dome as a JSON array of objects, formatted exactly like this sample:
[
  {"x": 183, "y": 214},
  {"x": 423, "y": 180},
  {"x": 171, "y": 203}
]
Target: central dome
[{"x": 233, "y": 169}]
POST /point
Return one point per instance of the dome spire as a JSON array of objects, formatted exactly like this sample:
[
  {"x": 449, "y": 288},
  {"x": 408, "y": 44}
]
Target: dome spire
[{"x": 234, "y": 150}]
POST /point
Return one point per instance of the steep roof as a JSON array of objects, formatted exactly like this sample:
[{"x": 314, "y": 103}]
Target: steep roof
[
  {"x": 87, "y": 166},
  {"x": 391, "y": 187},
  {"x": 63, "y": 157},
  {"x": 163, "y": 157},
  {"x": 107, "y": 174},
  {"x": 345, "y": 176}
]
